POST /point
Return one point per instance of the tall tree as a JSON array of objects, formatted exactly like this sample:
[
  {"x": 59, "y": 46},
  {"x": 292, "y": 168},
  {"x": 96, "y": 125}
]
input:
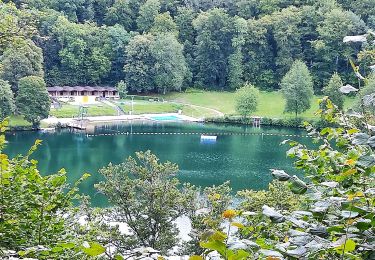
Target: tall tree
[
  {"x": 164, "y": 23},
  {"x": 123, "y": 12},
  {"x": 15, "y": 25},
  {"x": 259, "y": 63},
  {"x": 147, "y": 13},
  {"x": 139, "y": 64},
  {"x": 186, "y": 35},
  {"x": 84, "y": 53},
  {"x": 297, "y": 88},
  {"x": 7, "y": 105},
  {"x": 117, "y": 38},
  {"x": 286, "y": 32},
  {"x": 214, "y": 35},
  {"x": 32, "y": 100},
  {"x": 331, "y": 53},
  {"x": 332, "y": 90},
  {"x": 255, "y": 8},
  {"x": 235, "y": 62},
  {"x": 21, "y": 60},
  {"x": 170, "y": 65}
]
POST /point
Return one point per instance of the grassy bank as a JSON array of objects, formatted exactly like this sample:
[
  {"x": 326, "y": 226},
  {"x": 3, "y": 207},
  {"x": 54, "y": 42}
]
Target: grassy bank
[
  {"x": 18, "y": 122},
  {"x": 146, "y": 107},
  {"x": 271, "y": 104},
  {"x": 193, "y": 102},
  {"x": 69, "y": 111}
]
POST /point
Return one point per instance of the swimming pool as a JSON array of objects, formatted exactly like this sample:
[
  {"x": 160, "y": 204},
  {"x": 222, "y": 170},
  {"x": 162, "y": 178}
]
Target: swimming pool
[{"x": 166, "y": 118}]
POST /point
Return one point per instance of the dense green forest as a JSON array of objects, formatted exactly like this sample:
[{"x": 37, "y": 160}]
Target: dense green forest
[
  {"x": 164, "y": 45},
  {"x": 159, "y": 46}
]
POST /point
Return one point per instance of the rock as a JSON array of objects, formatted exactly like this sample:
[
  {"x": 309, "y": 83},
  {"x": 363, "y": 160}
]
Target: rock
[
  {"x": 319, "y": 231},
  {"x": 296, "y": 233},
  {"x": 301, "y": 213},
  {"x": 348, "y": 214},
  {"x": 273, "y": 214},
  {"x": 242, "y": 244},
  {"x": 282, "y": 247},
  {"x": 298, "y": 252},
  {"x": 299, "y": 238},
  {"x": 330, "y": 184},
  {"x": 298, "y": 223},
  {"x": 273, "y": 253}
]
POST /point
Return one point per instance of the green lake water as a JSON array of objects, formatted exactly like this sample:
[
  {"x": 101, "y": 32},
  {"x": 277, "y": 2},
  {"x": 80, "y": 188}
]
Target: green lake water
[{"x": 244, "y": 160}]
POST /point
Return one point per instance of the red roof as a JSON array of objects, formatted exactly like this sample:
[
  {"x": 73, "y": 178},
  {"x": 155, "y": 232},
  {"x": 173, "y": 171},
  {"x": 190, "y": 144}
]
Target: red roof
[{"x": 80, "y": 88}]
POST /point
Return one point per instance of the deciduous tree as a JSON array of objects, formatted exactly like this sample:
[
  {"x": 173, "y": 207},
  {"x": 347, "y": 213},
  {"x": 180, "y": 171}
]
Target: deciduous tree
[
  {"x": 32, "y": 100},
  {"x": 139, "y": 66},
  {"x": 297, "y": 88},
  {"x": 247, "y": 100},
  {"x": 7, "y": 105},
  {"x": 21, "y": 60},
  {"x": 147, "y": 13},
  {"x": 147, "y": 196},
  {"x": 332, "y": 90},
  {"x": 170, "y": 65}
]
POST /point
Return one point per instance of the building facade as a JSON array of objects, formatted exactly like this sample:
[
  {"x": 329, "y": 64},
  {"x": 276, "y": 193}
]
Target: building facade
[{"x": 82, "y": 94}]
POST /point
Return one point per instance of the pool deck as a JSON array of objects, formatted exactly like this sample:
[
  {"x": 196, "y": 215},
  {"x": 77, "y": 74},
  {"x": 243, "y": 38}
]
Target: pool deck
[{"x": 105, "y": 119}]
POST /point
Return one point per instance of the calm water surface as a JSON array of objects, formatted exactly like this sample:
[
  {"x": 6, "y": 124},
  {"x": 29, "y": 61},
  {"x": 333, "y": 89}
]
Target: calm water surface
[{"x": 243, "y": 160}]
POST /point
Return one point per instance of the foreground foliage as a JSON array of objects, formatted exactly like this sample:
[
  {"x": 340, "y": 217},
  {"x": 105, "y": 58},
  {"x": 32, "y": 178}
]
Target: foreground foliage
[
  {"x": 146, "y": 196},
  {"x": 36, "y": 211},
  {"x": 337, "y": 219}
]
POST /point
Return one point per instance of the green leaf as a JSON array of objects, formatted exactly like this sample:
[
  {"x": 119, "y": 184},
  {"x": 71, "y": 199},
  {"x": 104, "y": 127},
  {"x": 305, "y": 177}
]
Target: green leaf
[
  {"x": 67, "y": 245},
  {"x": 337, "y": 229},
  {"x": 95, "y": 249},
  {"x": 58, "y": 180},
  {"x": 214, "y": 245},
  {"x": 297, "y": 186},
  {"x": 57, "y": 249},
  {"x": 262, "y": 243},
  {"x": 118, "y": 257},
  {"x": 195, "y": 257},
  {"x": 346, "y": 247},
  {"x": 353, "y": 131}
]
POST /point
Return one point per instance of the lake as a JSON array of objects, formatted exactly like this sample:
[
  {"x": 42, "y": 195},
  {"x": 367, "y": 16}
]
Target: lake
[{"x": 243, "y": 155}]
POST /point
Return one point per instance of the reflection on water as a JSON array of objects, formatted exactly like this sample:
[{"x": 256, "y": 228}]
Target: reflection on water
[{"x": 243, "y": 160}]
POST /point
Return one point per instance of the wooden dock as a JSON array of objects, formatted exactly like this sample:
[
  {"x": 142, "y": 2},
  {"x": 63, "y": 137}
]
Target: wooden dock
[{"x": 80, "y": 125}]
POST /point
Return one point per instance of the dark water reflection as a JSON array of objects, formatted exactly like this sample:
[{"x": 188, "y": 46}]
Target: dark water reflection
[{"x": 243, "y": 160}]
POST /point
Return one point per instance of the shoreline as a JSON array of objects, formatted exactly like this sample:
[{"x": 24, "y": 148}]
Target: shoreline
[{"x": 51, "y": 123}]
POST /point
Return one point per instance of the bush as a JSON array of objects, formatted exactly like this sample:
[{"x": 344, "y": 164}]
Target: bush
[{"x": 146, "y": 196}]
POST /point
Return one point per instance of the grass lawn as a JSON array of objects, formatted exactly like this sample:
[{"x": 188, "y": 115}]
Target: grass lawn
[
  {"x": 271, "y": 104},
  {"x": 69, "y": 111},
  {"x": 146, "y": 107},
  {"x": 18, "y": 121}
]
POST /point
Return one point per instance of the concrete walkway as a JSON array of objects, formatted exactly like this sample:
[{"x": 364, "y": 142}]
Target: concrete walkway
[{"x": 102, "y": 119}]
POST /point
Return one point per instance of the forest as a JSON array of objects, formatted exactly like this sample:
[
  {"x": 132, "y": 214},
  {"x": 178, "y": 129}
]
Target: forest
[
  {"x": 322, "y": 208},
  {"x": 167, "y": 45}
]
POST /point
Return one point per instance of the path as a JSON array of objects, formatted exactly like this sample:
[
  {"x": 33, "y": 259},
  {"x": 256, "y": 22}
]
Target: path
[
  {"x": 119, "y": 110},
  {"x": 219, "y": 113}
]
